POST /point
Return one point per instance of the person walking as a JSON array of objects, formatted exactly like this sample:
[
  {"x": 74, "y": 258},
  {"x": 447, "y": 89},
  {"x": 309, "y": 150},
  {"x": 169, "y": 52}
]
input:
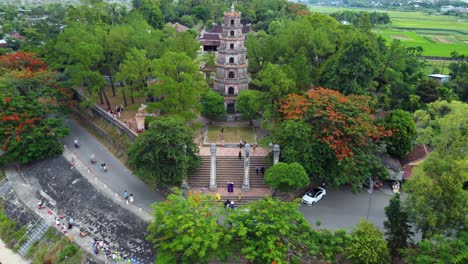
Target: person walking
[
  {"x": 222, "y": 143},
  {"x": 257, "y": 168},
  {"x": 232, "y": 187},
  {"x": 131, "y": 198},
  {"x": 126, "y": 195},
  {"x": 262, "y": 170},
  {"x": 240, "y": 154}
]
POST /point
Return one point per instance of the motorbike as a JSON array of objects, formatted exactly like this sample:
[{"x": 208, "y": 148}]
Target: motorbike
[
  {"x": 93, "y": 159},
  {"x": 103, "y": 167},
  {"x": 75, "y": 142}
]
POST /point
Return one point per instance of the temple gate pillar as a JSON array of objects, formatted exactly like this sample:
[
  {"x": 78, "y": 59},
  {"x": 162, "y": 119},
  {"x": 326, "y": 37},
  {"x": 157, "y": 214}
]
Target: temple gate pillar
[
  {"x": 213, "y": 186},
  {"x": 246, "y": 181}
]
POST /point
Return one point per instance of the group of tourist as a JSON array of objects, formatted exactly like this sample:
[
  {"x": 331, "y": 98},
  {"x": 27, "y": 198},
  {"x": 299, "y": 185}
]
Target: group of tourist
[
  {"x": 258, "y": 169},
  {"x": 117, "y": 112},
  {"x": 229, "y": 204}
]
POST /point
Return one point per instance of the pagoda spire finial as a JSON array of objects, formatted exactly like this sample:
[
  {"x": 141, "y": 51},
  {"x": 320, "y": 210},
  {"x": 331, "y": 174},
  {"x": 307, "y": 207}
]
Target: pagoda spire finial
[{"x": 232, "y": 7}]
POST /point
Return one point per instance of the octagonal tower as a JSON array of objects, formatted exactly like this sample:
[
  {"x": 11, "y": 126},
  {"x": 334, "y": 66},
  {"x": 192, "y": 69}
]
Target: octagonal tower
[{"x": 231, "y": 64}]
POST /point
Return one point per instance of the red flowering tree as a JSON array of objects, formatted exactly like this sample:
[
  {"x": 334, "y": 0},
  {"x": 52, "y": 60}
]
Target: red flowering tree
[
  {"x": 342, "y": 128},
  {"x": 30, "y": 102}
]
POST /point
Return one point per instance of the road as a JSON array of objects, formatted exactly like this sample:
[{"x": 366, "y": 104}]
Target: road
[
  {"x": 341, "y": 209},
  {"x": 118, "y": 177}
]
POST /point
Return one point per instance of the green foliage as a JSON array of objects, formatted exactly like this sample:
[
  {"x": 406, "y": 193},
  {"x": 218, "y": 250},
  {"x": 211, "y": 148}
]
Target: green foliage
[
  {"x": 427, "y": 90},
  {"x": 212, "y": 105},
  {"x": 248, "y": 104},
  {"x": 55, "y": 249},
  {"x": 152, "y": 13},
  {"x": 367, "y": 245},
  {"x": 443, "y": 126},
  {"x": 272, "y": 231},
  {"x": 158, "y": 153},
  {"x": 331, "y": 244},
  {"x": 459, "y": 76},
  {"x": 352, "y": 70},
  {"x": 440, "y": 249},
  {"x": 286, "y": 177},
  {"x": 403, "y": 128},
  {"x": 437, "y": 202},
  {"x": 29, "y": 104},
  {"x": 10, "y": 233},
  {"x": 68, "y": 251},
  {"x": 180, "y": 86},
  {"x": 397, "y": 230},
  {"x": 186, "y": 230}
]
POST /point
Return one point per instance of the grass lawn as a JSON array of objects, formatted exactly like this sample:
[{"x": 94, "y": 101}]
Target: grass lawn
[{"x": 231, "y": 135}]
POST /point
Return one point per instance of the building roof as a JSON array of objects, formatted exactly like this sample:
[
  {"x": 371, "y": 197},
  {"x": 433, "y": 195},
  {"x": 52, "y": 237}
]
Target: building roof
[
  {"x": 178, "y": 27},
  {"x": 439, "y": 76}
]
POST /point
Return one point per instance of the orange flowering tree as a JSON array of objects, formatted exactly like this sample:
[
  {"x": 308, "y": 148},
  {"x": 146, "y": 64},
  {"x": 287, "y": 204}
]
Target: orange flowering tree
[
  {"x": 30, "y": 102},
  {"x": 337, "y": 134}
]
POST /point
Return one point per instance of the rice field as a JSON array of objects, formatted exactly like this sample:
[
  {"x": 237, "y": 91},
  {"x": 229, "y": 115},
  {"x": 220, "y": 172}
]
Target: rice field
[{"x": 438, "y": 35}]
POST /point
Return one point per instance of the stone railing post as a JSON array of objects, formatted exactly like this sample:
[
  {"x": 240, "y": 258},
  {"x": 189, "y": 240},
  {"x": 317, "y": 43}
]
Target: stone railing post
[
  {"x": 213, "y": 186},
  {"x": 276, "y": 154},
  {"x": 246, "y": 181}
]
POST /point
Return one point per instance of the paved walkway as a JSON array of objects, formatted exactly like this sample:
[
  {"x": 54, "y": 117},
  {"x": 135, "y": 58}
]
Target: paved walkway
[
  {"x": 222, "y": 151},
  {"x": 118, "y": 178}
]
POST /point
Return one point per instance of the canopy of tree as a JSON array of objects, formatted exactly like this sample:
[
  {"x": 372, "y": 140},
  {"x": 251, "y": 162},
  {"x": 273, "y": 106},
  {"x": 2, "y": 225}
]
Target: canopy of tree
[
  {"x": 165, "y": 152},
  {"x": 438, "y": 203},
  {"x": 29, "y": 103},
  {"x": 339, "y": 132}
]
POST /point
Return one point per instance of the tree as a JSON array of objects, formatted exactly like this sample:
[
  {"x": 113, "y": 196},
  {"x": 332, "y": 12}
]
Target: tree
[
  {"x": 79, "y": 52},
  {"x": 397, "y": 229},
  {"x": 352, "y": 69},
  {"x": 297, "y": 145},
  {"x": 427, "y": 90},
  {"x": 271, "y": 231},
  {"x": 275, "y": 84},
  {"x": 165, "y": 152},
  {"x": 152, "y": 13},
  {"x": 367, "y": 245},
  {"x": 30, "y": 101},
  {"x": 344, "y": 130},
  {"x": 440, "y": 249},
  {"x": 186, "y": 230},
  {"x": 286, "y": 177},
  {"x": 179, "y": 42},
  {"x": 437, "y": 202},
  {"x": 212, "y": 105},
  {"x": 134, "y": 71},
  {"x": 180, "y": 85},
  {"x": 247, "y": 104},
  {"x": 403, "y": 128}
]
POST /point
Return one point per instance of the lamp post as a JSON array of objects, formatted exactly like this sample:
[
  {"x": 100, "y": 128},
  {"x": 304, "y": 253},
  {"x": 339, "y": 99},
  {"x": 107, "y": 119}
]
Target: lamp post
[
  {"x": 370, "y": 191},
  {"x": 184, "y": 185}
]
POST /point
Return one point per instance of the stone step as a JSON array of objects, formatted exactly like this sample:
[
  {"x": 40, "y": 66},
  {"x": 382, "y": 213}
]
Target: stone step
[{"x": 34, "y": 234}]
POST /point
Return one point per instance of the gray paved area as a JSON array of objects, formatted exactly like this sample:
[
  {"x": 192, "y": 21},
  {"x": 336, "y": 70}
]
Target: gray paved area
[
  {"x": 68, "y": 193},
  {"x": 341, "y": 209},
  {"x": 118, "y": 178}
]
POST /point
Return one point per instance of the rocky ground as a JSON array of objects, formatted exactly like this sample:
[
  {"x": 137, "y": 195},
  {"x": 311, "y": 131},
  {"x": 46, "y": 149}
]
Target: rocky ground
[
  {"x": 23, "y": 216},
  {"x": 69, "y": 193}
]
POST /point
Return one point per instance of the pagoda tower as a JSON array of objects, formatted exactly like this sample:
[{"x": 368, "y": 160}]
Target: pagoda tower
[{"x": 231, "y": 64}]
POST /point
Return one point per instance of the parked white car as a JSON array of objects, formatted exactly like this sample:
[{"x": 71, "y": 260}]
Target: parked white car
[{"x": 314, "y": 196}]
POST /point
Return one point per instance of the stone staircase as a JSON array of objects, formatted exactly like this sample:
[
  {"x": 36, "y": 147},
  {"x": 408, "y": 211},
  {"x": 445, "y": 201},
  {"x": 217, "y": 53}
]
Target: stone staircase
[
  {"x": 230, "y": 169},
  {"x": 34, "y": 234}
]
